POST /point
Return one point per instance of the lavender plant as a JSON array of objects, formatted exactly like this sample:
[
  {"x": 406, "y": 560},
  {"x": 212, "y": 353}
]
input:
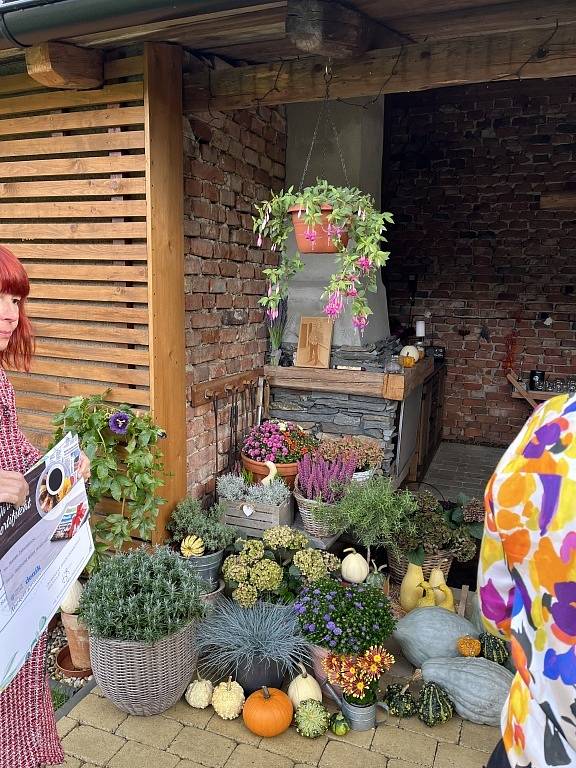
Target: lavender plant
[
  {"x": 232, "y": 638},
  {"x": 141, "y": 596},
  {"x": 323, "y": 480}
]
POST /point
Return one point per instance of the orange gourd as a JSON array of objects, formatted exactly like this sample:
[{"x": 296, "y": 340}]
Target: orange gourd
[{"x": 267, "y": 712}]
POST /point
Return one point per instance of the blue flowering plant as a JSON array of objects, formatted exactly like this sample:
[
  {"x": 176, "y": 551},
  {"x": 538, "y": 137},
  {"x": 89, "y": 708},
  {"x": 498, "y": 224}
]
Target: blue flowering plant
[
  {"x": 126, "y": 465},
  {"x": 345, "y": 618}
]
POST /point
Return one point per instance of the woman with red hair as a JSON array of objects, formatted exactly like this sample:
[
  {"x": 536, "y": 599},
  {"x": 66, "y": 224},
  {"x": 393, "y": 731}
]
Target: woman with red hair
[{"x": 28, "y": 737}]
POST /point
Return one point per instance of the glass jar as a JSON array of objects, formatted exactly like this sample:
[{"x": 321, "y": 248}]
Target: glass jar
[{"x": 393, "y": 365}]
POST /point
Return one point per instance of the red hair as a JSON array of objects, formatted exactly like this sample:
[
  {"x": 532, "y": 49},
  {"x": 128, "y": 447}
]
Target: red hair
[{"x": 14, "y": 281}]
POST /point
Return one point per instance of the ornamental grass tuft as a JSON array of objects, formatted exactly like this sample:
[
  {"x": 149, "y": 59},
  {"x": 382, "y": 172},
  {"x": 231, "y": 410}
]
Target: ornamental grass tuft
[{"x": 232, "y": 637}]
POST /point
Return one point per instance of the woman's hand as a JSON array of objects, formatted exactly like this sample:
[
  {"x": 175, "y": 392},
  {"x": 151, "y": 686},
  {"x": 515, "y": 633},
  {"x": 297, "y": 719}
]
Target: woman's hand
[
  {"x": 84, "y": 466},
  {"x": 13, "y": 488}
]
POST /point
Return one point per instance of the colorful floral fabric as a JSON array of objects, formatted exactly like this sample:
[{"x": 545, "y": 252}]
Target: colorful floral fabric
[{"x": 527, "y": 584}]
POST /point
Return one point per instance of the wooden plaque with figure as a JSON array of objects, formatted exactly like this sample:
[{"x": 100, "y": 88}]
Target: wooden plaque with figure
[{"x": 314, "y": 342}]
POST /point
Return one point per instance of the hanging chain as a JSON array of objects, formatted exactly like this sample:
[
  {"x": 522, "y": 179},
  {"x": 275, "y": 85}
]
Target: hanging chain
[{"x": 325, "y": 107}]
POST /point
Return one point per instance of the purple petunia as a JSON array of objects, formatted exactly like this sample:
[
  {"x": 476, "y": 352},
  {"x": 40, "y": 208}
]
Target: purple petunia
[{"x": 118, "y": 422}]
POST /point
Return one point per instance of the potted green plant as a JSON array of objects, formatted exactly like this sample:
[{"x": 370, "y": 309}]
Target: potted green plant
[
  {"x": 256, "y": 646},
  {"x": 76, "y": 632},
  {"x": 275, "y": 568},
  {"x": 345, "y": 619},
  {"x": 126, "y": 464},
  {"x": 201, "y": 538},
  {"x": 252, "y": 508},
  {"x": 320, "y": 483},
  {"x": 367, "y": 452},
  {"x": 279, "y": 443},
  {"x": 340, "y": 220},
  {"x": 276, "y": 325},
  {"x": 376, "y": 513},
  {"x": 141, "y": 609}
]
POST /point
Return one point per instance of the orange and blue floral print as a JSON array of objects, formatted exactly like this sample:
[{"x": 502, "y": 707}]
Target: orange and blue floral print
[{"x": 527, "y": 584}]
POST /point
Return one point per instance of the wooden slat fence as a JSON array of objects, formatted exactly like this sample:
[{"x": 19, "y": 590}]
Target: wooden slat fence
[
  {"x": 89, "y": 204},
  {"x": 79, "y": 226}
]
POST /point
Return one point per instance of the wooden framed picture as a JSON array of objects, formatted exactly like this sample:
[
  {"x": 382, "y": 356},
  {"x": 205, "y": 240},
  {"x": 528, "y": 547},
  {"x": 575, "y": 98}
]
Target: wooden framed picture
[{"x": 314, "y": 342}]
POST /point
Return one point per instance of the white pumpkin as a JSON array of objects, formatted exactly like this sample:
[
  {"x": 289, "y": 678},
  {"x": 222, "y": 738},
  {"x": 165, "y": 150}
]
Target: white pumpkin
[
  {"x": 199, "y": 693},
  {"x": 228, "y": 699},
  {"x": 303, "y": 687},
  {"x": 410, "y": 351},
  {"x": 354, "y": 567},
  {"x": 71, "y": 601}
]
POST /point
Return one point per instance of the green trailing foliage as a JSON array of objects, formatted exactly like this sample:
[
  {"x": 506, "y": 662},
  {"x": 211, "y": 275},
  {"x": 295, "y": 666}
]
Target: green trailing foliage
[
  {"x": 126, "y": 465},
  {"x": 141, "y": 596}
]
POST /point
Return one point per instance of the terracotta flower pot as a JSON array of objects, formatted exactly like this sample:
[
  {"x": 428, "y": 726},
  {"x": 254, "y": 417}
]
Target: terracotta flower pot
[
  {"x": 259, "y": 470},
  {"x": 315, "y": 239},
  {"x": 78, "y": 642}
]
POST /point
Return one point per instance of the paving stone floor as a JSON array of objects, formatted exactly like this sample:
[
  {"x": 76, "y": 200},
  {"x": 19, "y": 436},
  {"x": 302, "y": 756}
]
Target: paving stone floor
[
  {"x": 97, "y": 733},
  {"x": 459, "y": 468}
]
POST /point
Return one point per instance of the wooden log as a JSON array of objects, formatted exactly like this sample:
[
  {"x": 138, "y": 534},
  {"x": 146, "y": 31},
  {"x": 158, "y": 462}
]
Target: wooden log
[
  {"x": 559, "y": 201},
  {"x": 507, "y": 56},
  {"x": 328, "y": 28},
  {"x": 61, "y": 65}
]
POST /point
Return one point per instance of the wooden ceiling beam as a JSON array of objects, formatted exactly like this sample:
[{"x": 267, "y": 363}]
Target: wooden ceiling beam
[
  {"x": 540, "y": 53},
  {"x": 60, "y": 65},
  {"x": 328, "y": 28}
]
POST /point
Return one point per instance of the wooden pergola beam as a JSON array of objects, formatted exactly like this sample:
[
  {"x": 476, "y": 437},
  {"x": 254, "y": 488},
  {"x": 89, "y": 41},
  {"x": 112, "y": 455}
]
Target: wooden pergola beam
[
  {"x": 527, "y": 54},
  {"x": 60, "y": 65}
]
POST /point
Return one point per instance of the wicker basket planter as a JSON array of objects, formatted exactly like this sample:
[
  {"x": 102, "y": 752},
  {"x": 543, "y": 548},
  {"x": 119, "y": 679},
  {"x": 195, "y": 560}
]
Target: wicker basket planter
[
  {"x": 306, "y": 508},
  {"x": 398, "y": 565},
  {"x": 253, "y": 519},
  {"x": 259, "y": 470},
  {"x": 142, "y": 678}
]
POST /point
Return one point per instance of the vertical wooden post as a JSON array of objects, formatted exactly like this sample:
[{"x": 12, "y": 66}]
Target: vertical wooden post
[{"x": 165, "y": 233}]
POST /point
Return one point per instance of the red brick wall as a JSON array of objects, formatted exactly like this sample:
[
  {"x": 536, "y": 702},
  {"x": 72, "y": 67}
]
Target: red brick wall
[
  {"x": 465, "y": 171},
  {"x": 230, "y": 162}
]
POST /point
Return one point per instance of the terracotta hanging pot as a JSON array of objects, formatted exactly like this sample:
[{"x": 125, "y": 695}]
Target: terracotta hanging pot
[{"x": 315, "y": 238}]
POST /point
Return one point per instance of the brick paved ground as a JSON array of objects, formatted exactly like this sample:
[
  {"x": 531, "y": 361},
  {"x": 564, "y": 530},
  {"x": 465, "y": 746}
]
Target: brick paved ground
[
  {"x": 459, "y": 468},
  {"x": 96, "y": 733}
]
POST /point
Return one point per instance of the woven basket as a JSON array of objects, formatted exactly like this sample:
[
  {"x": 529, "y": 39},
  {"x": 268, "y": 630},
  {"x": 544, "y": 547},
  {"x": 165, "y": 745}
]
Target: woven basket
[
  {"x": 306, "y": 508},
  {"x": 399, "y": 565},
  {"x": 143, "y": 678}
]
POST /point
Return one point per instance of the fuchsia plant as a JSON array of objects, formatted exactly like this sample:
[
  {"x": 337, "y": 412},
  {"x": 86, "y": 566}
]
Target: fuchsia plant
[{"x": 322, "y": 480}]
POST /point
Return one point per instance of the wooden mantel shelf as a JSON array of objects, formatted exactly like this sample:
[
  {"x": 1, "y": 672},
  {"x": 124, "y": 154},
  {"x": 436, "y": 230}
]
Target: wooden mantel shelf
[{"x": 388, "y": 386}]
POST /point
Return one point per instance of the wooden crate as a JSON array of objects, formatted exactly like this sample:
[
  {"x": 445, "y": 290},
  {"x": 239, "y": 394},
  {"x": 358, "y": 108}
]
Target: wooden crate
[{"x": 264, "y": 516}]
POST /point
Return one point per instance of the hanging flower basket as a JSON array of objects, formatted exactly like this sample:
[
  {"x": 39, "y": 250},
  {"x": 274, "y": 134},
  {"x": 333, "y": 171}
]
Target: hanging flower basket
[
  {"x": 341, "y": 220},
  {"x": 321, "y": 237}
]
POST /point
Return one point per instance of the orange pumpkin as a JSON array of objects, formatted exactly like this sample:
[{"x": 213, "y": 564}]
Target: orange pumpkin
[{"x": 267, "y": 712}]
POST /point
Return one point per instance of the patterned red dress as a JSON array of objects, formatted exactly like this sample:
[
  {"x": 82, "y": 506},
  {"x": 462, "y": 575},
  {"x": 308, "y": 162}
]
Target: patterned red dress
[{"x": 28, "y": 736}]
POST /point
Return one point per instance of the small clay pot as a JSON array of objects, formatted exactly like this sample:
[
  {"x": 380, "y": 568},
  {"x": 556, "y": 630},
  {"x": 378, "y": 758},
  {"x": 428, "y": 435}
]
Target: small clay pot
[{"x": 66, "y": 667}]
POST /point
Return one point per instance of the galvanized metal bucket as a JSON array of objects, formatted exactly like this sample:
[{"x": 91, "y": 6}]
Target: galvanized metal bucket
[
  {"x": 359, "y": 718},
  {"x": 207, "y": 567}
]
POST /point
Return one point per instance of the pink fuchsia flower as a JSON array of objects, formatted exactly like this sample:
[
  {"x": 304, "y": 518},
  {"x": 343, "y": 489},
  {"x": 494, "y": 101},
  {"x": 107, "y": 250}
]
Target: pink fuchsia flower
[
  {"x": 364, "y": 263},
  {"x": 334, "y": 230},
  {"x": 310, "y": 235},
  {"x": 259, "y": 241},
  {"x": 351, "y": 291},
  {"x": 360, "y": 322},
  {"x": 335, "y": 304},
  {"x": 272, "y": 313}
]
